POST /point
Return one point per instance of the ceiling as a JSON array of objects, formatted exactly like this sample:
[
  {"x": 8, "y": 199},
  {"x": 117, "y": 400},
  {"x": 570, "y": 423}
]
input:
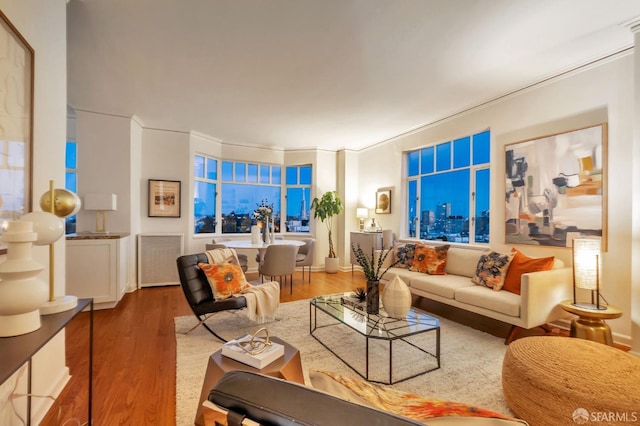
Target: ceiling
[{"x": 326, "y": 74}]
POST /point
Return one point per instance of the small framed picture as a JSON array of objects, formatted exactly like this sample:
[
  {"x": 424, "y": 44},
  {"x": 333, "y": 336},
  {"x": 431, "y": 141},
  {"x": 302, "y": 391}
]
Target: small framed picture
[
  {"x": 164, "y": 198},
  {"x": 383, "y": 201}
]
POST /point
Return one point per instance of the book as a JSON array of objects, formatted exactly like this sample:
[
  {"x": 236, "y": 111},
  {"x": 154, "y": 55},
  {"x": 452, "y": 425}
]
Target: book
[
  {"x": 353, "y": 303},
  {"x": 232, "y": 350}
]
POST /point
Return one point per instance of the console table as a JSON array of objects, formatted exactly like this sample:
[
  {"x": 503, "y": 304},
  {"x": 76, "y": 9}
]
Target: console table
[{"x": 19, "y": 350}]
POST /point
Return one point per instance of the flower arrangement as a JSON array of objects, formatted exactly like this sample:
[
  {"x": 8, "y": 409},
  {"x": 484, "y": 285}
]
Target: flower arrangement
[{"x": 264, "y": 211}]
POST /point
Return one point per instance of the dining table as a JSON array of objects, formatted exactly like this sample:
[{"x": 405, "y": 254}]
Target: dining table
[{"x": 261, "y": 246}]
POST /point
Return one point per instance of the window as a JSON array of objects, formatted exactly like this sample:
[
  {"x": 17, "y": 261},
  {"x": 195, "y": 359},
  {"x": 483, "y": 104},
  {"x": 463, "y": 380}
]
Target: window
[
  {"x": 204, "y": 194},
  {"x": 298, "y": 186},
  {"x": 243, "y": 187},
  {"x": 448, "y": 188},
  {"x": 71, "y": 180}
]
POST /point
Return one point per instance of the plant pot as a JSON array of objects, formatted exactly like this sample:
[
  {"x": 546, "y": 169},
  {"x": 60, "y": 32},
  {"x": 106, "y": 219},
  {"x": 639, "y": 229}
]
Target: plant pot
[
  {"x": 331, "y": 264},
  {"x": 373, "y": 297}
]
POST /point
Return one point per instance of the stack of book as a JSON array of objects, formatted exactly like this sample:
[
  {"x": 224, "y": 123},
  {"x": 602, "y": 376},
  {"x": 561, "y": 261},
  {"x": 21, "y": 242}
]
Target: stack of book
[
  {"x": 353, "y": 303},
  {"x": 232, "y": 350}
]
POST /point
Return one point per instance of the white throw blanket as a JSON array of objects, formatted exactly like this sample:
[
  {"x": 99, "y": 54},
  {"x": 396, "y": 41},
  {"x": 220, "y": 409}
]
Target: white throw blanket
[{"x": 262, "y": 299}]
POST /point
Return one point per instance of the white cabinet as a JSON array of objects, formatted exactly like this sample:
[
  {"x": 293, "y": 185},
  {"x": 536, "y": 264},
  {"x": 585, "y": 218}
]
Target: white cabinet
[
  {"x": 97, "y": 267},
  {"x": 367, "y": 241}
]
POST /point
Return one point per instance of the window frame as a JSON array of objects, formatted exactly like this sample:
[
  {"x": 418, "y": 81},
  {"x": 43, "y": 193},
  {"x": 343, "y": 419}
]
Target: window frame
[
  {"x": 415, "y": 171},
  {"x": 268, "y": 174},
  {"x": 70, "y": 222}
]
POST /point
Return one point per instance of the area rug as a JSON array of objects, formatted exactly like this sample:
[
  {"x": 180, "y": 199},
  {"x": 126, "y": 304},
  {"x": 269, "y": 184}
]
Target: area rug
[{"x": 471, "y": 361}]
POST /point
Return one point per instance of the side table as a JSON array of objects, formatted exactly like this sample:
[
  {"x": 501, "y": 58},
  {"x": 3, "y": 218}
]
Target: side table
[
  {"x": 287, "y": 367},
  {"x": 590, "y": 323}
]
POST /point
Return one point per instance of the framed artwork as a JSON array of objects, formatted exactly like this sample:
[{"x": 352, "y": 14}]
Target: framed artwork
[
  {"x": 556, "y": 188},
  {"x": 383, "y": 201},
  {"x": 16, "y": 123},
  {"x": 164, "y": 198}
]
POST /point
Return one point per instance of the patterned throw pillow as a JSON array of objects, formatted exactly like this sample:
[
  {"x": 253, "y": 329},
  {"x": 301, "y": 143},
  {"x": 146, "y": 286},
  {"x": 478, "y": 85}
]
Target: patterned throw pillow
[
  {"x": 225, "y": 279},
  {"x": 492, "y": 269},
  {"x": 403, "y": 253},
  {"x": 522, "y": 264},
  {"x": 429, "y": 259}
]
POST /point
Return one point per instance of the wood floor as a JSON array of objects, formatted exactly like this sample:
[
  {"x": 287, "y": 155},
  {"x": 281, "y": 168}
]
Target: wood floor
[{"x": 134, "y": 351}]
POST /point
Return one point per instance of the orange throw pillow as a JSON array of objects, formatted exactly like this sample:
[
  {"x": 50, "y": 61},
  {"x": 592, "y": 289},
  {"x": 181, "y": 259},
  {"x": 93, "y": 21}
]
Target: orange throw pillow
[
  {"x": 430, "y": 260},
  {"x": 225, "y": 279},
  {"x": 522, "y": 264}
]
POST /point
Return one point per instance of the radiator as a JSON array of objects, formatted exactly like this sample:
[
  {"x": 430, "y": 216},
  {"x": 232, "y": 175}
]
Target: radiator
[{"x": 157, "y": 254}]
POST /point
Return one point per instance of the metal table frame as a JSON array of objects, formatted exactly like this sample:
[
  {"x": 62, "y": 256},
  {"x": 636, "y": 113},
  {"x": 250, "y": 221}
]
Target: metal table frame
[
  {"x": 19, "y": 350},
  {"x": 417, "y": 322}
]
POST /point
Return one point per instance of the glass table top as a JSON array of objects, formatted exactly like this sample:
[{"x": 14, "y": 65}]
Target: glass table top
[{"x": 378, "y": 326}]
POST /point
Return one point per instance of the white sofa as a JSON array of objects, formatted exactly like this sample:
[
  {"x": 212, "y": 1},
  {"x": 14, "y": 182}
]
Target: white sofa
[{"x": 537, "y": 305}]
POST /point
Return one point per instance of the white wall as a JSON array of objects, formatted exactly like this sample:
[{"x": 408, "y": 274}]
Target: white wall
[
  {"x": 43, "y": 25},
  {"x": 599, "y": 94},
  {"x": 104, "y": 158},
  {"x": 635, "y": 204},
  {"x": 165, "y": 156}
]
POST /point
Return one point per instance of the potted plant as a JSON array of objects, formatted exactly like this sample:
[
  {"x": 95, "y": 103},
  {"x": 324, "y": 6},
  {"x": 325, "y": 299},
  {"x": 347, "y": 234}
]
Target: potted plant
[
  {"x": 325, "y": 208},
  {"x": 371, "y": 268}
]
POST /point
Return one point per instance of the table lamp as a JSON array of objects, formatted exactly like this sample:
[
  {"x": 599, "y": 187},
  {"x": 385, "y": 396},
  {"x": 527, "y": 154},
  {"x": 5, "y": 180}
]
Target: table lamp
[
  {"x": 56, "y": 204},
  {"x": 101, "y": 203},
  {"x": 362, "y": 213},
  {"x": 586, "y": 271}
]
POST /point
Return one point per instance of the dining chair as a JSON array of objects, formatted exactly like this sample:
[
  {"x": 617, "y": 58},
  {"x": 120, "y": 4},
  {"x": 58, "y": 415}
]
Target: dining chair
[
  {"x": 305, "y": 255},
  {"x": 279, "y": 261},
  {"x": 243, "y": 260}
]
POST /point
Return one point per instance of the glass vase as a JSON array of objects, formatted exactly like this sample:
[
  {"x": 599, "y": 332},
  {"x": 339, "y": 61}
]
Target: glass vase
[{"x": 373, "y": 297}]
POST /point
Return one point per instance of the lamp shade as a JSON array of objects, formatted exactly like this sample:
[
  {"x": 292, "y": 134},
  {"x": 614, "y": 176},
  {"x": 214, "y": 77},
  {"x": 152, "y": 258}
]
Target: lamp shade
[
  {"x": 586, "y": 258},
  {"x": 362, "y": 213},
  {"x": 65, "y": 202},
  {"x": 100, "y": 202}
]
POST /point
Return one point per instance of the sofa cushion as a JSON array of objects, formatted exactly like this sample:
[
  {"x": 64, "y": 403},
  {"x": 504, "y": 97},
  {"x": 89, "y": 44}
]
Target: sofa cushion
[
  {"x": 420, "y": 408},
  {"x": 492, "y": 269},
  {"x": 523, "y": 264},
  {"x": 442, "y": 285},
  {"x": 462, "y": 261},
  {"x": 403, "y": 254},
  {"x": 430, "y": 259},
  {"x": 504, "y": 302},
  {"x": 405, "y": 274}
]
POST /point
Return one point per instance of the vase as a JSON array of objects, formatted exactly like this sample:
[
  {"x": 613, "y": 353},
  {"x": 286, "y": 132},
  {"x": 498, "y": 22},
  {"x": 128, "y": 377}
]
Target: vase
[
  {"x": 265, "y": 233},
  {"x": 396, "y": 298},
  {"x": 373, "y": 297}
]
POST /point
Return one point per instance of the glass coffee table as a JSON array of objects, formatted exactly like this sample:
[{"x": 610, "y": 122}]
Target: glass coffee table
[{"x": 340, "y": 327}]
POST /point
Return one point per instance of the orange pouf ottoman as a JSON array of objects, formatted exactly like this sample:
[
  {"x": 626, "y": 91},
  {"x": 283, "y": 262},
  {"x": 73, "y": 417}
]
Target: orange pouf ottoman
[{"x": 565, "y": 381}]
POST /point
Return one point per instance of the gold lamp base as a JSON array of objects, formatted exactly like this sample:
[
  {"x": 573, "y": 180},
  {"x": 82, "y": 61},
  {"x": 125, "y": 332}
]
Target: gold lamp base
[{"x": 595, "y": 330}]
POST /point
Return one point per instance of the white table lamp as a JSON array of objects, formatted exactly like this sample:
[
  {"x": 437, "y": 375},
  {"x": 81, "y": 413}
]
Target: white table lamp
[
  {"x": 586, "y": 271},
  {"x": 101, "y": 203},
  {"x": 362, "y": 213}
]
